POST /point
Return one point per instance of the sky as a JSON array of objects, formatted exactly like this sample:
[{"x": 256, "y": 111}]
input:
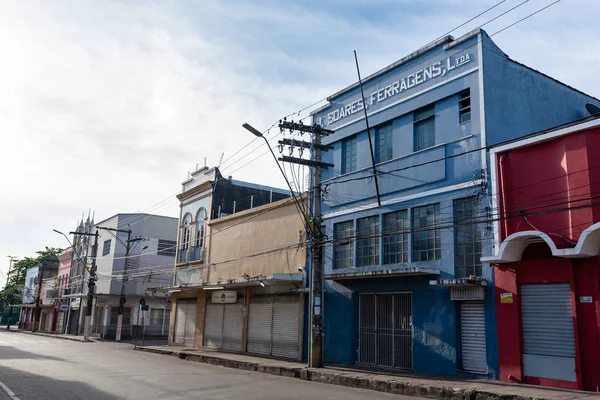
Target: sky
[{"x": 107, "y": 105}]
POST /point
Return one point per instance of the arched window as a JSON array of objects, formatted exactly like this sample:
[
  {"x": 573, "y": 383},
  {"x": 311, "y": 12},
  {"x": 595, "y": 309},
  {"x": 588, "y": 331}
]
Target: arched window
[
  {"x": 200, "y": 228},
  {"x": 185, "y": 237}
]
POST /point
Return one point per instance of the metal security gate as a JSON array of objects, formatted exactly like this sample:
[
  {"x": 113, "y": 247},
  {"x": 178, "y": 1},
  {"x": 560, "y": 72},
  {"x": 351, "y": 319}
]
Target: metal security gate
[
  {"x": 223, "y": 326},
  {"x": 185, "y": 321},
  {"x": 274, "y": 326},
  {"x": 548, "y": 334},
  {"x": 385, "y": 330},
  {"x": 472, "y": 330}
]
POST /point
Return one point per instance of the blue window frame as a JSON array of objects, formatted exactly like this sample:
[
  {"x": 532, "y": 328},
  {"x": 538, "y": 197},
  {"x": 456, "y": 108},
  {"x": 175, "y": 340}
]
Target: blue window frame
[
  {"x": 368, "y": 241},
  {"x": 395, "y": 237},
  {"x": 343, "y": 244},
  {"x": 385, "y": 144},
  {"x": 467, "y": 237},
  {"x": 424, "y": 127},
  {"x": 464, "y": 106},
  {"x": 349, "y": 163},
  {"x": 426, "y": 239},
  {"x": 106, "y": 247}
]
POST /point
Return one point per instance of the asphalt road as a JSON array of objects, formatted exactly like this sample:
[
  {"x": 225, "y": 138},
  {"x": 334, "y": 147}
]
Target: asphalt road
[{"x": 35, "y": 367}]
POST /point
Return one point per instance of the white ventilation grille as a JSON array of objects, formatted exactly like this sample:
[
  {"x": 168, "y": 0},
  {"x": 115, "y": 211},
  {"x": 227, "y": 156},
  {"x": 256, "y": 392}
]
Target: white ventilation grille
[{"x": 460, "y": 293}]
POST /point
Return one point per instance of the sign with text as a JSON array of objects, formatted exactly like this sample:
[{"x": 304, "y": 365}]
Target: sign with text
[
  {"x": 224, "y": 297},
  {"x": 392, "y": 88},
  {"x": 585, "y": 299}
]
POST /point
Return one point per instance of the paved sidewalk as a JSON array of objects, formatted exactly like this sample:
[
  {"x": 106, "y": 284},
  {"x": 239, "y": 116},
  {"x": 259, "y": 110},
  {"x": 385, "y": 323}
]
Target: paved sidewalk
[
  {"x": 52, "y": 335},
  {"x": 435, "y": 387}
]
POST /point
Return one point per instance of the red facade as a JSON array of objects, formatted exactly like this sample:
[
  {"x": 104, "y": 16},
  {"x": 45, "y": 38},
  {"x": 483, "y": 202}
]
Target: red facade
[{"x": 548, "y": 194}]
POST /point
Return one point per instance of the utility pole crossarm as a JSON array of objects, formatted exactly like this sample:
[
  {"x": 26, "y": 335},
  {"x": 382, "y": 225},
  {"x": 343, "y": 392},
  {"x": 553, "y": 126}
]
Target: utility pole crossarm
[
  {"x": 302, "y": 161},
  {"x": 316, "y": 128},
  {"x": 305, "y": 145}
]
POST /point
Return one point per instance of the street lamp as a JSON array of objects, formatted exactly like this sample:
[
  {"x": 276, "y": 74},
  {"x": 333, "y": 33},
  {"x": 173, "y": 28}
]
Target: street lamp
[
  {"x": 66, "y": 237},
  {"x": 258, "y": 133}
]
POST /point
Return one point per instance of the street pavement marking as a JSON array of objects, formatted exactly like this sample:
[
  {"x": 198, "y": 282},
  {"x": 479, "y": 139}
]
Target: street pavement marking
[{"x": 9, "y": 392}]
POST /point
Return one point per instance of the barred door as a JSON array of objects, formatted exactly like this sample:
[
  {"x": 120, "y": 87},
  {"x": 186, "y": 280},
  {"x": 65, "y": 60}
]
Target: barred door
[{"x": 385, "y": 330}]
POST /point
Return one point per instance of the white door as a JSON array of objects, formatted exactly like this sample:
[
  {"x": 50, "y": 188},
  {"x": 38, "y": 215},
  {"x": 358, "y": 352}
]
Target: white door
[
  {"x": 233, "y": 322},
  {"x": 548, "y": 334},
  {"x": 286, "y": 329},
  {"x": 273, "y": 326},
  {"x": 472, "y": 328},
  {"x": 213, "y": 325},
  {"x": 185, "y": 321}
]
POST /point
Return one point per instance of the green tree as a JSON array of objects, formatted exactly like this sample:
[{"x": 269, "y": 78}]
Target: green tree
[{"x": 11, "y": 294}]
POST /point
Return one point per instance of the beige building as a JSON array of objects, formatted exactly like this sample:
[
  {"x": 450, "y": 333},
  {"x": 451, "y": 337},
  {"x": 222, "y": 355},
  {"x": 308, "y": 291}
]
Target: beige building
[{"x": 245, "y": 292}]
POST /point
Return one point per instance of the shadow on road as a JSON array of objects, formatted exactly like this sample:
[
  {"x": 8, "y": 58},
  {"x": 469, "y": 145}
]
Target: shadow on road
[
  {"x": 33, "y": 387},
  {"x": 13, "y": 353}
]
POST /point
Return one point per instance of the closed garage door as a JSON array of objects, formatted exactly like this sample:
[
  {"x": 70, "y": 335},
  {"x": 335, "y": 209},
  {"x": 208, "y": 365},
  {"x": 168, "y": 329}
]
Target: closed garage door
[
  {"x": 223, "y": 326},
  {"x": 185, "y": 321},
  {"x": 548, "y": 334},
  {"x": 472, "y": 326},
  {"x": 273, "y": 326}
]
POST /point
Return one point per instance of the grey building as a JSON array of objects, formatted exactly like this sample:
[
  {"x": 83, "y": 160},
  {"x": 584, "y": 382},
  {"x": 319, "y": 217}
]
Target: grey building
[{"x": 150, "y": 264}]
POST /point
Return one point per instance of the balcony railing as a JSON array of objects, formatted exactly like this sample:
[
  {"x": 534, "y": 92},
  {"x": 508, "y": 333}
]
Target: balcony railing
[
  {"x": 197, "y": 253},
  {"x": 182, "y": 255}
]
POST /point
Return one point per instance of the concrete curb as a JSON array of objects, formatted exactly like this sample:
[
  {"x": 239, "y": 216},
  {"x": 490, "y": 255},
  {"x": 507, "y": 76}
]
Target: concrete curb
[
  {"x": 52, "y": 335},
  {"x": 355, "y": 380}
]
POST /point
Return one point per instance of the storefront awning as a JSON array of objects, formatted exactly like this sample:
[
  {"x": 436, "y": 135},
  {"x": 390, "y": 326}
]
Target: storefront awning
[
  {"x": 409, "y": 271},
  {"x": 274, "y": 279}
]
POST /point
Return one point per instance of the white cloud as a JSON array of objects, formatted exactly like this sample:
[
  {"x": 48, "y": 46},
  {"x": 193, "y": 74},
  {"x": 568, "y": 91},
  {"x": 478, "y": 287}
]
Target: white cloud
[{"x": 108, "y": 104}]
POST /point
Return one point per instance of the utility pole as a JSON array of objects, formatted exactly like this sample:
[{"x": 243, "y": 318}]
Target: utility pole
[
  {"x": 91, "y": 282},
  {"x": 315, "y": 358}
]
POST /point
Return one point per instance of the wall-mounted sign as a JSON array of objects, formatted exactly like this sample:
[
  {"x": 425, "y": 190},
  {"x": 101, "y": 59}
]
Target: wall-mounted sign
[
  {"x": 506, "y": 298},
  {"x": 435, "y": 70},
  {"x": 75, "y": 303},
  {"x": 63, "y": 307},
  {"x": 224, "y": 297},
  {"x": 585, "y": 299}
]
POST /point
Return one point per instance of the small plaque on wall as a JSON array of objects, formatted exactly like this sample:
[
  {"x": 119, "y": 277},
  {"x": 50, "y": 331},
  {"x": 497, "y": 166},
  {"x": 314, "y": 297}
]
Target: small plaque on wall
[
  {"x": 585, "y": 299},
  {"x": 506, "y": 298}
]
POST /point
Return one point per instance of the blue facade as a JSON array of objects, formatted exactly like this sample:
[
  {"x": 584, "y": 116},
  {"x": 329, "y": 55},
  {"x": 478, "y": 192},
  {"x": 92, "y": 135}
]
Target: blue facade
[{"x": 431, "y": 116}]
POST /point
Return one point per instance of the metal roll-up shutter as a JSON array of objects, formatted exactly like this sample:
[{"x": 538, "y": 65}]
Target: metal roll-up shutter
[
  {"x": 213, "y": 326},
  {"x": 179, "y": 334},
  {"x": 233, "y": 322},
  {"x": 286, "y": 317},
  {"x": 472, "y": 327},
  {"x": 260, "y": 324},
  {"x": 190, "y": 322},
  {"x": 548, "y": 334}
]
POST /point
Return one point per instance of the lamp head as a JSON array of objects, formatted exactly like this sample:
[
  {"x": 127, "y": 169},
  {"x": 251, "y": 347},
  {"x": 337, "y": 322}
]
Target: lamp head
[{"x": 252, "y": 129}]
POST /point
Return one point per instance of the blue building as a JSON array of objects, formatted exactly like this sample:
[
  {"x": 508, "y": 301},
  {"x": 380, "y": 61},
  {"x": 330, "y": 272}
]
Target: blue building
[{"x": 404, "y": 284}]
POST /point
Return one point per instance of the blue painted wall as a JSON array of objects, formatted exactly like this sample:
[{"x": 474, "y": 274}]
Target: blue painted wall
[{"x": 518, "y": 101}]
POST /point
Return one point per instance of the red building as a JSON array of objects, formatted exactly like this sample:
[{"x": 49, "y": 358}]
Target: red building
[{"x": 546, "y": 189}]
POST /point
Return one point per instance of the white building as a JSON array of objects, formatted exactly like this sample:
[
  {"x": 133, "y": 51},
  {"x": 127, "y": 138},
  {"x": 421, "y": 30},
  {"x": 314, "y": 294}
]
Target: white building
[{"x": 150, "y": 263}]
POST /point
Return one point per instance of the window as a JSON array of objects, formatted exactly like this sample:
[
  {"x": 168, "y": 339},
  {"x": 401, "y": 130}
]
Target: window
[
  {"x": 343, "y": 247},
  {"x": 200, "y": 228},
  {"x": 368, "y": 241},
  {"x": 464, "y": 106},
  {"x": 395, "y": 237},
  {"x": 166, "y": 247},
  {"x": 349, "y": 155},
  {"x": 384, "y": 140},
  {"x": 106, "y": 247},
  {"x": 467, "y": 237},
  {"x": 424, "y": 126},
  {"x": 426, "y": 243}
]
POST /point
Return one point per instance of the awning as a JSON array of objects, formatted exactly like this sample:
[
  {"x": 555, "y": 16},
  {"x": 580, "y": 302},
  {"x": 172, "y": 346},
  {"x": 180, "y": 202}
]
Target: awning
[
  {"x": 274, "y": 279},
  {"x": 409, "y": 271}
]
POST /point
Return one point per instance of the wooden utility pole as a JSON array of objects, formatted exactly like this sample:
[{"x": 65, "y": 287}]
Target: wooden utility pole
[{"x": 315, "y": 357}]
